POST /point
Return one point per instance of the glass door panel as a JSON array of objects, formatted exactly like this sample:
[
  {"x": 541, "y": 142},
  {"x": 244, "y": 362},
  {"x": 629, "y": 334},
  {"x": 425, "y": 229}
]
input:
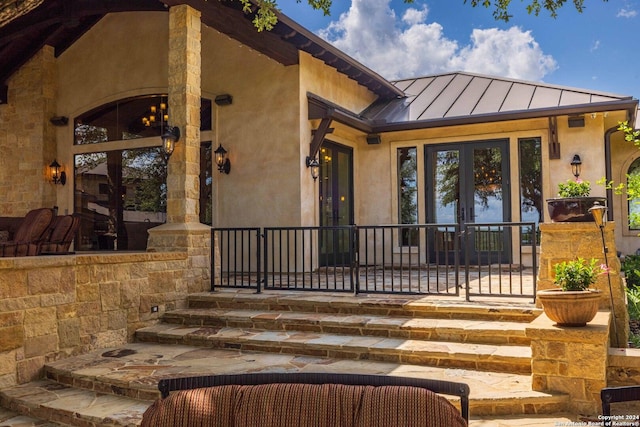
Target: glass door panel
[
  {"x": 336, "y": 203},
  {"x": 465, "y": 186}
]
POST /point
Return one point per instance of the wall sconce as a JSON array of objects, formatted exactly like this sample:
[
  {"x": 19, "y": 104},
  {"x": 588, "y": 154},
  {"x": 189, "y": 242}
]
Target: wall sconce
[
  {"x": 170, "y": 136},
  {"x": 57, "y": 176},
  {"x": 576, "y": 165},
  {"x": 224, "y": 165},
  {"x": 314, "y": 166},
  {"x": 225, "y": 99}
]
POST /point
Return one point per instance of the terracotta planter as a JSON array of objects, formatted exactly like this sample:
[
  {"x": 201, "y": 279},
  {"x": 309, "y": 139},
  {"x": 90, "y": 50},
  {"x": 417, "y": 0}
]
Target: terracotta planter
[
  {"x": 573, "y": 209},
  {"x": 570, "y": 308}
]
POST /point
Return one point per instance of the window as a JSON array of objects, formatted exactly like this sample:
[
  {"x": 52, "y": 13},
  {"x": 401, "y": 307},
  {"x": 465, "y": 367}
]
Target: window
[
  {"x": 119, "y": 195},
  {"x": 130, "y": 118},
  {"x": 633, "y": 204},
  {"x": 408, "y": 194},
  {"x": 531, "y": 209}
]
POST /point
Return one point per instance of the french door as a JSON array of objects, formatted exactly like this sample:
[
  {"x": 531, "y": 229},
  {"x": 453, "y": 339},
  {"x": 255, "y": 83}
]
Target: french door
[
  {"x": 468, "y": 183},
  {"x": 336, "y": 202}
]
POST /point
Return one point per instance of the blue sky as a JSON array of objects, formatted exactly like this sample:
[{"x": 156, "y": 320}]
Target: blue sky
[{"x": 593, "y": 50}]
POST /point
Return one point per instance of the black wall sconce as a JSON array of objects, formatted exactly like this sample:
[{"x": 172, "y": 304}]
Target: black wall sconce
[
  {"x": 224, "y": 165},
  {"x": 314, "y": 167},
  {"x": 170, "y": 137},
  {"x": 58, "y": 176},
  {"x": 576, "y": 164},
  {"x": 59, "y": 120},
  {"x": 225, "y": 99}
]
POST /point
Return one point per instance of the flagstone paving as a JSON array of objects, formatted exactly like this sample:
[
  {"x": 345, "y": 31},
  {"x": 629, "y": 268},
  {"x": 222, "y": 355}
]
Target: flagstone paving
[
  {"x": 119, "y": 383},
  {"x": 328, "y": 332}
]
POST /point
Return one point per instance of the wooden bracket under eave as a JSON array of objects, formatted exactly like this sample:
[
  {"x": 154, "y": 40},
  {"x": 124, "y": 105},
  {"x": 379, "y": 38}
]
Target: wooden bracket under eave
[
  {"x": 318, "y": 136},
  {"x": 554, "y": 145}
]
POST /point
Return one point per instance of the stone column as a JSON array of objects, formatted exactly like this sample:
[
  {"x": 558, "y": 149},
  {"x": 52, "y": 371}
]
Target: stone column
[
  {"x": 565, "y": 241},
  {"x": 183, "y": 230},
  {"x": 29, "y": 144}
]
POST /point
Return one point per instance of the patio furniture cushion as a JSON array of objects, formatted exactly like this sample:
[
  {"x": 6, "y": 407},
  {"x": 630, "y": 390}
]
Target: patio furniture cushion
[
  {"x": 302, "y": 404},
  {"x": 28, "y": 237},
  {"x": 61, "y": 235}
]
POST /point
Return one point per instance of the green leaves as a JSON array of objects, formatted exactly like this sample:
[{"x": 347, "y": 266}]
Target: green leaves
[{"x": 577, "y": 275}]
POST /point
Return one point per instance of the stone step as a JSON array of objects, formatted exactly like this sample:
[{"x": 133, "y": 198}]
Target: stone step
[
  {"x": 50, "y": 402},
  {"x": 483, "y": 357},
  {"x": 458, "y": 330},
  {"x": 429, "y": 306},
  {"x": 115, "y": 386}
]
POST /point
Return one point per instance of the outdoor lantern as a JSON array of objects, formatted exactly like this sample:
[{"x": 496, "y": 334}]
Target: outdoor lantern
[
  {"x": 598, "y": 211},
  {"x": 314, "y": 166},
  {"x": 170, "y": 136},
  {"x": 224, "y": 165},
  {"x": 57, "y": 176},
  {"x": 575, "y": 165}
]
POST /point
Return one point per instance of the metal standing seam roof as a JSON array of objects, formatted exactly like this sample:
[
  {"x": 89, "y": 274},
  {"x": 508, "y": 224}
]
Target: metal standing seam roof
[{"x": 459, "y": 95}]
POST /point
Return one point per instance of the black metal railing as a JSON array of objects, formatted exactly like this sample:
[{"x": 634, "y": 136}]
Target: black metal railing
[
  {"x": 500, "y": 259},
  {"x": 405, "y": 259}
]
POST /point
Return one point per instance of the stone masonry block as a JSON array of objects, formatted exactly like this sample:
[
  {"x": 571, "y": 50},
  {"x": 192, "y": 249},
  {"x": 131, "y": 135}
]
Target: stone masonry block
[
  {"x": 12, "y": 337},
  {"x": 69, "y": 332},
  {"x": 30, "y": 369},
  {"x": 110, "y": 296},
  {"x": 41, "y": 345},
  {"x": 13, "y": 283},
  {"x": 40, "y": 321}
]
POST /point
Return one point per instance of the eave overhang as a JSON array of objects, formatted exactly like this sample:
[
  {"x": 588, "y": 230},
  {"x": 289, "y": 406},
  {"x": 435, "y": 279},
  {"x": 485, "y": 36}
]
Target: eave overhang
[{"x": 321, "y": 108}]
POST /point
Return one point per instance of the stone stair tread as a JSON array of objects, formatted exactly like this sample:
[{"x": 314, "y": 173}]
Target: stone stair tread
[
  {"x": 135, "y": 369},
  {"x": 141, "y": 365},
  {"x": 343, "y": 342},
  {"x": 14, "y": 419},
  {"x": 414, "y": 306},
  {"x": 364, "y": 320},
  {"x": 74, "y": 406}
]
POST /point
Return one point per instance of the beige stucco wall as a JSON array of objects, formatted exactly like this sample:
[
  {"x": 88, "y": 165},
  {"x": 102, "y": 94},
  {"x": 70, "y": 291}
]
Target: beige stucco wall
[{"x": 266, "y": 130}]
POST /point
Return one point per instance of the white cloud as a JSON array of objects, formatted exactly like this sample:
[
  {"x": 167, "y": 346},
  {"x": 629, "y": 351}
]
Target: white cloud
[
  {"x": 626, "y": 13},
  {"x": 410, "y": 46},
  {"x": 595, "y": 46}
]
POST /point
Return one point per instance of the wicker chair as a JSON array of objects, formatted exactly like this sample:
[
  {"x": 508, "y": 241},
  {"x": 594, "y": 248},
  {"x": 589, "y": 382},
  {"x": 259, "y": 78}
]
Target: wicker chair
[
  {"x": 307, "y": 399},
  {"x": 62, "y": 233},
  {"x": 29, "y": 235}
]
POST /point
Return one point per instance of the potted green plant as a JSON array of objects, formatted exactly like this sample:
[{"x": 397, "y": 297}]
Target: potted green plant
[
  {"x": 573, "y": 202},
  {"x": 573, "y": 302}
]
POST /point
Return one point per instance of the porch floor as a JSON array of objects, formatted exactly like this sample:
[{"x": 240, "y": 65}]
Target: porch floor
[{"x": 485, "y": 283}]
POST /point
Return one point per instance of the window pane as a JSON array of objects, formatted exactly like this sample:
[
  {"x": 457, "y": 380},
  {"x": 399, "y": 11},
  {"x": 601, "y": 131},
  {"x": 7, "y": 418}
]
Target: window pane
[
  {"x": 206, "y": 183},
  {"x": 408, "y": 194},
  {"x": 130, "y": 118},
  {"x": 634, "y": 204},
  {"x": 531, "y": 209},
  {"x": 119, "y": 195}
]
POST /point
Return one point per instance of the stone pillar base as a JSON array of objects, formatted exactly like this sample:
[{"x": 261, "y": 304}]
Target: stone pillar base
[
  {"x": 192, "y": 238},
  {"x": 571, "y": 361},
  {"x": 566, "y": 241}
]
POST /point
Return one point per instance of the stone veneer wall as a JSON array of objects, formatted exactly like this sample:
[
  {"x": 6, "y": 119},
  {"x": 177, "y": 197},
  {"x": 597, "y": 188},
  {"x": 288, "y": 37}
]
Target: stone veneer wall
[
  {"x": 565, "y": 241},
  {"x": 59, "y": 306},
  {"x": 27, "y": 140}
]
